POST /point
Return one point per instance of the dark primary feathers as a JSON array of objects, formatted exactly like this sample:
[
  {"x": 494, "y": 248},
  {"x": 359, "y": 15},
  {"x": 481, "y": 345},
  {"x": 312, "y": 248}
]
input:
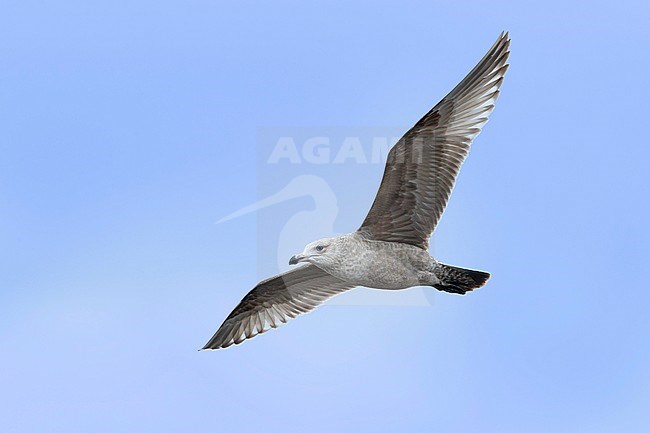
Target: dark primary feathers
[
  {"x": 275, "y": 300},
  {"x": 422, "y": 167}
]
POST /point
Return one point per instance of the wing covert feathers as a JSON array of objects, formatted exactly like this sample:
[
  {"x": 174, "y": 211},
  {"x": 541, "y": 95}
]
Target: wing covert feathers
[{"x": 421, "y": 168}]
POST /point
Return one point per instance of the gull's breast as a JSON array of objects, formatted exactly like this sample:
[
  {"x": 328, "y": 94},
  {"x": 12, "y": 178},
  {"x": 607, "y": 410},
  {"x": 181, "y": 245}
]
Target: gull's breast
[{"x": 382, "y": 265}]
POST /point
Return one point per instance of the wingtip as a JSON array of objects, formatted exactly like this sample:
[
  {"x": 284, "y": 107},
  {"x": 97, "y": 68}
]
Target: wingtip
[
  {"x": 504, "y": 38},
  {"x": 205, "y": 348},
  {"x": 209, "y": 346}
]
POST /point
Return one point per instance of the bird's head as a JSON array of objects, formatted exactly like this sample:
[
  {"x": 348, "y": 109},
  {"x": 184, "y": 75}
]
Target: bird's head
[{"x": 321, "y": 252}]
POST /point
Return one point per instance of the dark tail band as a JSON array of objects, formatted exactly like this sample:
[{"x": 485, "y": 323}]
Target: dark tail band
[{"x": 459, "y": 280}]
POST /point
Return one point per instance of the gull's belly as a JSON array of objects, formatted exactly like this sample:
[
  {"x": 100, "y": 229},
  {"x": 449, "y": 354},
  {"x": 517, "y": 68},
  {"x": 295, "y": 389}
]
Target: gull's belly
[
  {"x": 380, "y": 269},
  {"x": 381, "y": 278}
]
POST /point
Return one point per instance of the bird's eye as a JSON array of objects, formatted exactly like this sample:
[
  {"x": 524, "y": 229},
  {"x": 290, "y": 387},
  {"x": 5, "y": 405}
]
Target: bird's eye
[{"x": 320, "y": 248}]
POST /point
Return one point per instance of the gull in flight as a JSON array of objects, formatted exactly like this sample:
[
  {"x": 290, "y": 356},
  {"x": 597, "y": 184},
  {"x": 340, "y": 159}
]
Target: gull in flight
[{"x": 390, "y": 249}]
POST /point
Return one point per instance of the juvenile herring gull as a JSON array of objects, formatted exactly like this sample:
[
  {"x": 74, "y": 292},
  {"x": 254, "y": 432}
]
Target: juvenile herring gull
[{"x": 390, "y": 249}]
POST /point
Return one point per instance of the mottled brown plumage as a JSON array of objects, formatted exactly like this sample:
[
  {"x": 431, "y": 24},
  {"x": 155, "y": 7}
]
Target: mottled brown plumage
[
  {"x": 422, "y": 167},
  {"x": 275, "y": 300},
  {"x": 389, "y": 251}
]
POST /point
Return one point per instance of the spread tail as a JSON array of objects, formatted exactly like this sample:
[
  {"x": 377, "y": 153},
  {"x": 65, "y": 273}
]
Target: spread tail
[{"x": 458, "y": 280}]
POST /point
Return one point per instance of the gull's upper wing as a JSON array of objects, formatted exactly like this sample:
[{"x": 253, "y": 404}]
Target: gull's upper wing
[
  {"x": 422, "y": 167},
  {"x": 274, "y": 300}
]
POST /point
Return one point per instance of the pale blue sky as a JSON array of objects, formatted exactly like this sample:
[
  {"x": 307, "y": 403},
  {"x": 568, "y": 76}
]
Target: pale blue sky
[{"x": 128, "y": 130}]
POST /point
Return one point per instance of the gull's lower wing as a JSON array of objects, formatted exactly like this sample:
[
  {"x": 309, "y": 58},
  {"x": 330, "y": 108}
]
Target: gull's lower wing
[
  {"x": 275, "y": 300},
  {"x": 422, "y": 167}
]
